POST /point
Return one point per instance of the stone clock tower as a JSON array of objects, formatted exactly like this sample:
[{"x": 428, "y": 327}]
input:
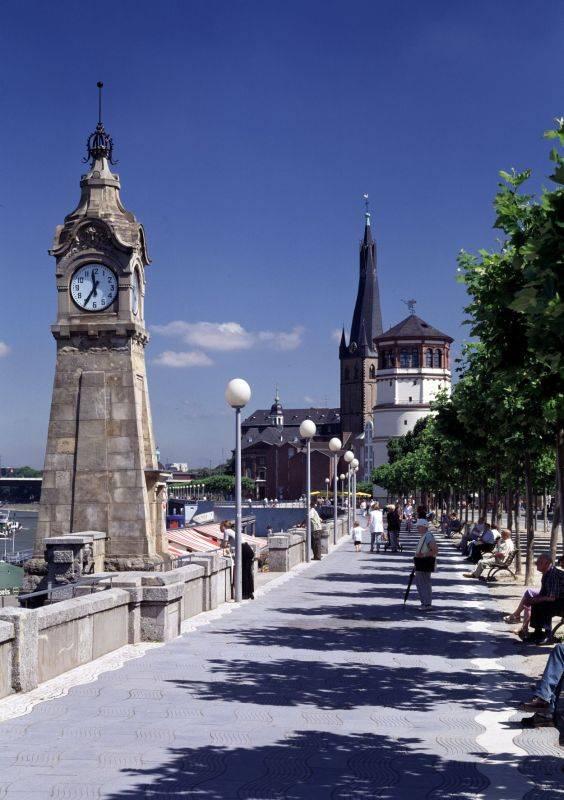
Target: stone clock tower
[{"x": 101, "y": 471}]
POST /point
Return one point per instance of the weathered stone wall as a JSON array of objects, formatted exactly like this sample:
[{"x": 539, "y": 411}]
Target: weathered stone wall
[
  {"x": 7, "y": 636},
  {"x": 39, "y": 644},
  {"x": 287, "y": 550}
]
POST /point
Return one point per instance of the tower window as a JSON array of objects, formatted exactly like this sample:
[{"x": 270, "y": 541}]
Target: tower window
[
  {"x": 405, "y": 422},
  {"x": 437, "y": 358},
  {"x": 428, "y": 357},
  {"x": 414, "y": 358},
  {"x": 404, "y": 358},
  {"x": 415, "y": 383},
  {"x": 411, "y": 399},
  {"x": 390, "y": 383},
  {"x": 372, "y": 371}
]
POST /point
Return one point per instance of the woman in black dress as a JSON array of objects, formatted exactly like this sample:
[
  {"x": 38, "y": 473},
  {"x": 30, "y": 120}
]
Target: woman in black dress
[{"x": 248, "y": 579}]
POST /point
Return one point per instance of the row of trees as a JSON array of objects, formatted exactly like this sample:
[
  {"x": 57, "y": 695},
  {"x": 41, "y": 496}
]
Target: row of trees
[{"x": 501, "y": 433}]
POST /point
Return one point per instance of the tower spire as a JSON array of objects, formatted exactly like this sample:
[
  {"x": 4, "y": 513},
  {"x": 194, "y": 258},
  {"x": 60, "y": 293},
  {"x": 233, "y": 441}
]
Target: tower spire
[
  {"x": 99, "y": 144},
  {"x": 367, "y": 311}
]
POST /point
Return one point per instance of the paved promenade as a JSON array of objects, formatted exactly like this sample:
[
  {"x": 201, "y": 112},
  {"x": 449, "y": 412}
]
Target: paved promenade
[{"x": 323, "y": 687}]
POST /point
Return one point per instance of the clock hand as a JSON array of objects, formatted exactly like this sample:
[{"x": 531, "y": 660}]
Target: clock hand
[{"x": 93, "y": 290}]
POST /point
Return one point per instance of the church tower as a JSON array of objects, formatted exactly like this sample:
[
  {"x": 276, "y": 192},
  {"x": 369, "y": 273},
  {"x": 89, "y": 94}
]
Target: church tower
[
  {"x": 101, "y": 471},
  {"x": 358, "y": 359}
]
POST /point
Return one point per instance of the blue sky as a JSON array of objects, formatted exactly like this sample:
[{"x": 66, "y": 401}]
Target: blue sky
[{"x": 247, "y": 133}]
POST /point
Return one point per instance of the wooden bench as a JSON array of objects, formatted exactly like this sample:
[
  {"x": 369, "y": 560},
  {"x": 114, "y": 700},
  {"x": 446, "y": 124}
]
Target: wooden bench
[{"x": 495, "y": 569}]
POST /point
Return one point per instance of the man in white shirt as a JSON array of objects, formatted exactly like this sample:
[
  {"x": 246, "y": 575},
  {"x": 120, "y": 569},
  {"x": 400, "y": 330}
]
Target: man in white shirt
[
  {"x": 316, "y": 530},
  {"x": 500, "y": 554},
  {"x": 408, "y": 514},
  {"x": 376, "y": 526}
]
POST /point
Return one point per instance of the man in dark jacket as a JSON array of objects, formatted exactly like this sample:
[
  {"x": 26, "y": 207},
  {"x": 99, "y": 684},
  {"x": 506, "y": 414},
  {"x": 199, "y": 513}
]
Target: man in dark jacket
[{"x": 393, "y": 518}]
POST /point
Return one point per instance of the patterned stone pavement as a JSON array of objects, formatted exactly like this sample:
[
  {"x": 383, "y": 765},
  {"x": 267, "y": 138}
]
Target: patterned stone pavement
[{"x": 324, "y": 687}]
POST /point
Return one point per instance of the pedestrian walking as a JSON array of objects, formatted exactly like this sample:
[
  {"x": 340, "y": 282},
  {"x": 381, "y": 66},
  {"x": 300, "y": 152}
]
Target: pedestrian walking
[
  {"x": 376, "y": 526},
  {"x": 408, "y": 515},
  {"x": 393, "y": 519},
  {"x": 356, "y": 535},
  {"x": 425, "y": 555},
  {"x": 316, "y": 530}
]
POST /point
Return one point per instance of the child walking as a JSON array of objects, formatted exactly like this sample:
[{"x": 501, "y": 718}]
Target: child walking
[{"x": 356, "y": 534}]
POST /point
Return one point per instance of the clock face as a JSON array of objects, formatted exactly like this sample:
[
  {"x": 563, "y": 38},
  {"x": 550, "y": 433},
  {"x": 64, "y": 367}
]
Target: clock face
[
  {"x": 93, "y": 287},
  {"x": 135, "y": 292}
]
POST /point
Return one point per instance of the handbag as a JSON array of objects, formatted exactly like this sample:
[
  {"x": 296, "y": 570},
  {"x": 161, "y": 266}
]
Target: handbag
[{"x": 424, "y": 563}]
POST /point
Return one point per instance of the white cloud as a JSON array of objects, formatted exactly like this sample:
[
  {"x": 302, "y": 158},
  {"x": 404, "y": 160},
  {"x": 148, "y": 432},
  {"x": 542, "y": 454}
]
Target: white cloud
[
  {"x": 191, "y": 358},
  {"x": 336, "y": 334},
  {"x": 4, "y": 349},
  {"x": 229, "y": 336}
]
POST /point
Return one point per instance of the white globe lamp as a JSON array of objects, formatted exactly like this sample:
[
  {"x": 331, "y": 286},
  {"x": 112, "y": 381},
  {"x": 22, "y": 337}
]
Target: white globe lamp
[
  {"x": 308, "y": 429},
  {"x": 238, "y": 393},
  {"x": 335, "y": 445}
]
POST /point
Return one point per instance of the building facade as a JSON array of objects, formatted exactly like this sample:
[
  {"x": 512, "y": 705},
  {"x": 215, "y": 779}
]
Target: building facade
[
  {"x": 413, "y": 367},
  {"x": 272, "y": 451}
]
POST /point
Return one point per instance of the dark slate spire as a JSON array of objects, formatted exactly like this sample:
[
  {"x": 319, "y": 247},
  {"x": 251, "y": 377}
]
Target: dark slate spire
[
  {"x": 367, "y": 317},
  {"x": 343, "y": 344}
]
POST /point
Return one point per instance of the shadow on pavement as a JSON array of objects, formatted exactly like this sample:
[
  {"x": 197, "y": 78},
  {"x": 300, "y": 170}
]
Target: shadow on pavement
[{"x": 316, "y": 765}]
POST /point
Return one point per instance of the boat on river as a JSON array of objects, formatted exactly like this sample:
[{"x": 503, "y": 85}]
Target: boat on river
[{"x": 8, "y": 523}]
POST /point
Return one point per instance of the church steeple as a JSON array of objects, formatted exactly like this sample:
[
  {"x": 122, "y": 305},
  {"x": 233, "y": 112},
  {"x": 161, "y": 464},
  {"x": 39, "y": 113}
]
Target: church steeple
[
  {"x": 367, "y": 311},
  {"x": 359, "y": 357}
]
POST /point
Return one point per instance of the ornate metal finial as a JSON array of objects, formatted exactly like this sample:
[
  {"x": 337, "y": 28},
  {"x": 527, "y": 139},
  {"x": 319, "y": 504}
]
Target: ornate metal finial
[
  {"x": 411, "y": 305},
  {"x": 367, "y": 208},
  {"x": 99, "y": 144}
]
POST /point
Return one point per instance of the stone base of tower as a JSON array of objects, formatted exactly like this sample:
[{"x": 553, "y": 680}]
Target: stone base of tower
[{"x": 101, "y": 471}]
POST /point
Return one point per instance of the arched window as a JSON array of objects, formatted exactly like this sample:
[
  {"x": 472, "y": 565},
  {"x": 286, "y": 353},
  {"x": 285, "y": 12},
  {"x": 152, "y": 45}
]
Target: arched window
[
  {"x": 372, "y": 371},
  {"x": 437, "y": 358},
  {"x": 347, "y": 373},
  {"x": 428, "y": 357},
  {"x": 415, "y": 357},
  {"x": 404, "y": 358}
]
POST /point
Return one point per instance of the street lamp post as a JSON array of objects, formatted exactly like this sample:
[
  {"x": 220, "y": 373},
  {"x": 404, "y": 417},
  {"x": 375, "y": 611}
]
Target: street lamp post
[
  {"x": 354, "y": 467},
  {"x": 334, "y": 446},
  {"x": 307, "y": 432},
  {"x": 327, "y": 482},
  {"x": 349, "y": 455},
  {"x": 238, "y": 394}
]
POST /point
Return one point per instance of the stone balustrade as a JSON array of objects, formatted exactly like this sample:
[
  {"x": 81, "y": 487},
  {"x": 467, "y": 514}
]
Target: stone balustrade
[
  {"x": 287, "y": 550},
  {"x": 39, "y": 644}
]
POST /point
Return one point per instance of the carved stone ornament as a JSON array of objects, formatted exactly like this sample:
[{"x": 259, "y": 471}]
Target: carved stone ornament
[{"x": 91, "y": 237}]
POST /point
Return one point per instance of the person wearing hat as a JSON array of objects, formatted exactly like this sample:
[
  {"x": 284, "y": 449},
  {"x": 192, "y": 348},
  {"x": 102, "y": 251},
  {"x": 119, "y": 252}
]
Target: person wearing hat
[{"x": 425, "y": 554}]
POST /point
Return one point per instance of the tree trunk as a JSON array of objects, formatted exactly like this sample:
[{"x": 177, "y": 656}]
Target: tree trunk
[
  {"x": 509, "y": 503},
  {"x": 518, "y": 565},
  {"x": 530, "y": 523},
  {"x": 554, "y": 530},
  {"x": 544, "y": 513},
  {"x": 560, "y": 476}
]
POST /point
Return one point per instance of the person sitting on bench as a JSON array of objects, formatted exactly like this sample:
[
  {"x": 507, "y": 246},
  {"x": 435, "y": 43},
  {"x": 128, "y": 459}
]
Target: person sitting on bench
[
  {"x": 548, "y": 603},
  {"x": 546, "y": 696},
  {"x": 501, "y": 552},
  {"x": 484, "y": 544},
  {"x": 471, "y": 535}
]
